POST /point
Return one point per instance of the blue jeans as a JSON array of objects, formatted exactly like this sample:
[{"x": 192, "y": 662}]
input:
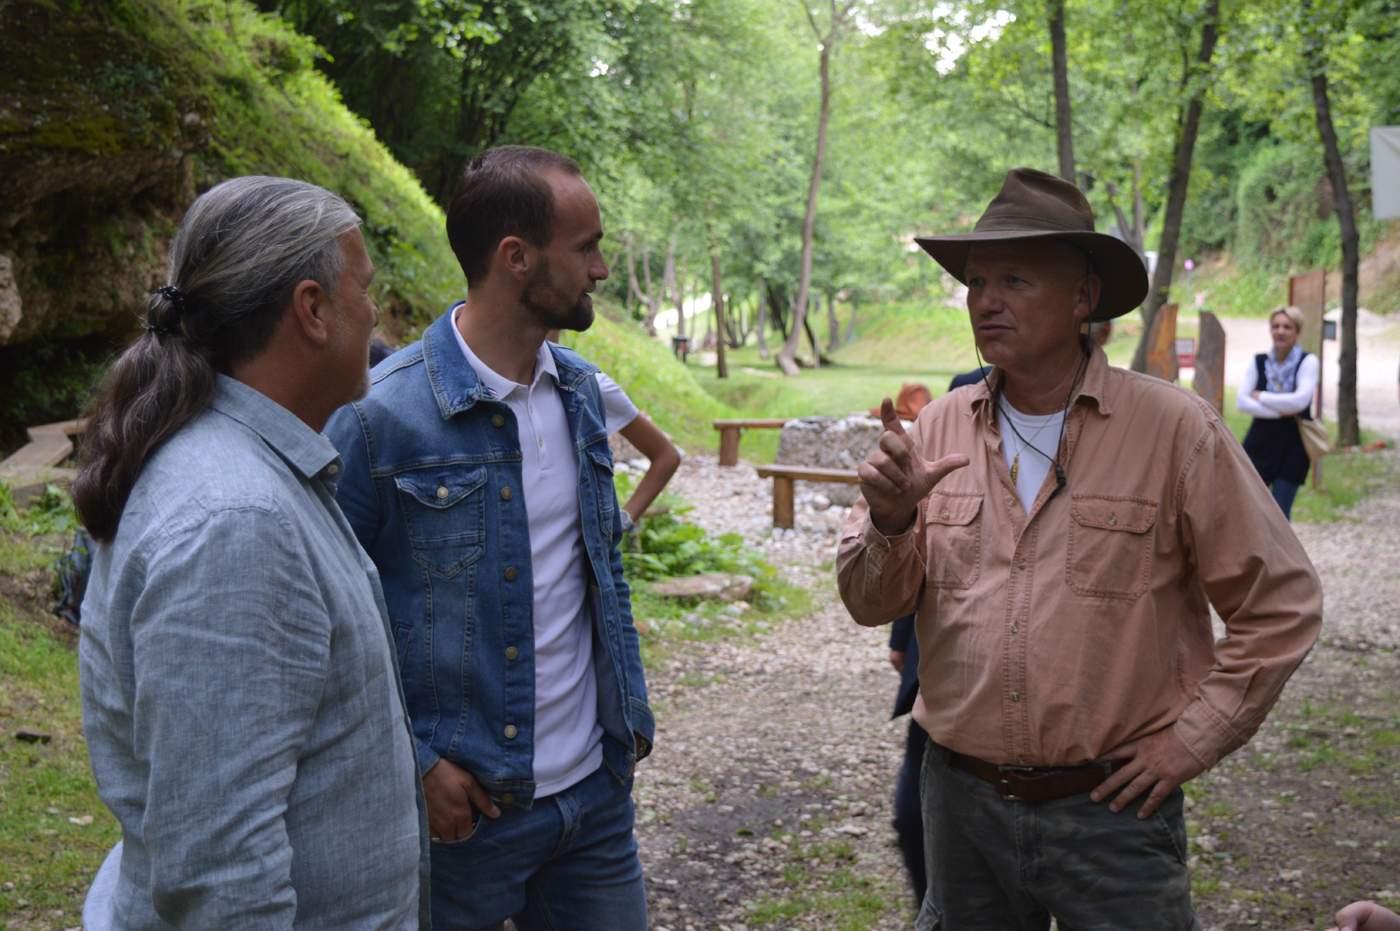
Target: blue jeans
[
  {"x": 570, "y": 862},
  {"x": 1006, "y": 865},
  {"x": 1284, "y": 492}
]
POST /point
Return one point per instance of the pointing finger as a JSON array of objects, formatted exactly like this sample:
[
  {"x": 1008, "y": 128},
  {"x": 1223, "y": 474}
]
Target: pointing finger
[{"x": 890, "y": 419}]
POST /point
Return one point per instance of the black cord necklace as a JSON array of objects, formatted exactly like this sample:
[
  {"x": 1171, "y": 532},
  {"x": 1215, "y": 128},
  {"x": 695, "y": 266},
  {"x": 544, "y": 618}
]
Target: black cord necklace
[{"x": 1060, "y": 479}]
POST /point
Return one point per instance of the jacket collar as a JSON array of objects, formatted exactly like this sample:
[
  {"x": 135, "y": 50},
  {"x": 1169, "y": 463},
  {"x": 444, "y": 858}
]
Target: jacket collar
[
  {"x": 1094, "y": 387},
  {"x": 455, "y": 384},
  {"x": 305, "y": 450}
]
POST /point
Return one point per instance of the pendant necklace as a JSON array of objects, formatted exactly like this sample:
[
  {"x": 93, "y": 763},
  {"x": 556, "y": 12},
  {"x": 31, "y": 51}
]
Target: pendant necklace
[{"x": 1024, "y": 443}]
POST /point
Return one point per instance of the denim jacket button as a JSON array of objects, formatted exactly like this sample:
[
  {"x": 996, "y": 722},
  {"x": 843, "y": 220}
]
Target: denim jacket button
[
  {"x": 497, "y": 420},
  {"x": 442, "y": 492},
  {"x": 505, "y": 493},
  {"x": 512, "y": 653},
  {"x": 511, "y": 731},
  {"x": 507, "y": 799},
  {"x": 510, "y": 573}
]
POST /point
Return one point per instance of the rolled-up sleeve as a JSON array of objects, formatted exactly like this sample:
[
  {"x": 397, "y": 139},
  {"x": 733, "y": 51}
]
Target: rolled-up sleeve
[
  {"x": 1260, "y": 580},
  {"x": 231, "y": 646}
]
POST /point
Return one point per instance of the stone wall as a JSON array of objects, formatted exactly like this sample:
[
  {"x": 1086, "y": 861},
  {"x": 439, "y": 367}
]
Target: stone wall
[{"x": 830, "y": 443}]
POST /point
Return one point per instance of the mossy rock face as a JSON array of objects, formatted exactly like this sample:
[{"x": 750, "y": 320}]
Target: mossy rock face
[
  {"x": 96, "y": 135},
  {"x": 114, "y": 115}
]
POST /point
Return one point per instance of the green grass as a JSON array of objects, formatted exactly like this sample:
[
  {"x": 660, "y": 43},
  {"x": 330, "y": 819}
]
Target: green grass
[{"x": 46, "y": 859}]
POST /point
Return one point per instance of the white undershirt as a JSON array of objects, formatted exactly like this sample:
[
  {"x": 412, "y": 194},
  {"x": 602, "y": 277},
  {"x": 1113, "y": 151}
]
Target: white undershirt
[
  {"x": 568, "y": 739},
  {"x": 1041, "y": 431}
]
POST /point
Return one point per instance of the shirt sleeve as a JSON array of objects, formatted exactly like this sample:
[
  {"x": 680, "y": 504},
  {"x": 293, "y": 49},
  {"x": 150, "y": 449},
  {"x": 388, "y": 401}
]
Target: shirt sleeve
[
  {"x": 1287, "y": 404},
  {"x": 617, "y": 406},
  {"x": 1258, "y": 576},
  {"x": 230, "y": 649},
  {"x": 1248, "y": 404}
]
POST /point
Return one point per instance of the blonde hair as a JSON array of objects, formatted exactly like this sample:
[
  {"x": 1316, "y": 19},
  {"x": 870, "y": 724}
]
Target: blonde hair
[{"x": 1291, "y": 312}]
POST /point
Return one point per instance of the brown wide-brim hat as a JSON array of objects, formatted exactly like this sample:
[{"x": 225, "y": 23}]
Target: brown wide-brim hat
[{"x": 1036, "y": 205}]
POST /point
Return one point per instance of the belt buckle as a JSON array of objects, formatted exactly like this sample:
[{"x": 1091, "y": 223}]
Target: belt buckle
[{"x": 1004, "y": 785}]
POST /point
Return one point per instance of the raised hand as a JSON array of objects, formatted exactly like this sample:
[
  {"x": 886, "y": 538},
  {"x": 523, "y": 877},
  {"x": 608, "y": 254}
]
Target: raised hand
[{"x": 894, "y": 478}]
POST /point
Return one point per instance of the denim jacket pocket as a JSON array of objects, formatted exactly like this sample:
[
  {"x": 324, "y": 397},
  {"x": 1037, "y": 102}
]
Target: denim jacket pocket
[
  {"x": 444, "y": 513},
  {"x": 1110, "y": 546},
  {"x": 953, "y": 533}
]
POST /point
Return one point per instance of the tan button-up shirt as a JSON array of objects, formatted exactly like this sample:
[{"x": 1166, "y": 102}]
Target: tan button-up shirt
[{"x": 1050, "y": 638}]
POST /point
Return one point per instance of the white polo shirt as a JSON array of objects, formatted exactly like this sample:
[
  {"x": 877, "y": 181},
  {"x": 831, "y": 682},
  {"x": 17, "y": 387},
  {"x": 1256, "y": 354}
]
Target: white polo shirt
[{"x": 568, "y": 739}]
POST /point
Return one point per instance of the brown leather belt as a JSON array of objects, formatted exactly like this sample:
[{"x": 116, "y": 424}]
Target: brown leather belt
[{"x": 1035, "y": 783}]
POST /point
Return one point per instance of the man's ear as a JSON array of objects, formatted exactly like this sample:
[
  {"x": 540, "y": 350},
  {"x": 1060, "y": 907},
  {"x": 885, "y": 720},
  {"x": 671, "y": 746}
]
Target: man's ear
[
  {"x": 311, "y": 311},
  {"x": 514, "y": 257},
  {"x": 1086, "y": 297}
]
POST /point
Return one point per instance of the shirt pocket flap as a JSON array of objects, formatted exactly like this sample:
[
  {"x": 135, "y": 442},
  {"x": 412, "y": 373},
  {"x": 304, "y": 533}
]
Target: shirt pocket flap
[
  {"x": 952, "y": 510},
  {"x": 439, "y": 490},
  {"x": 1125, "y": 514}
]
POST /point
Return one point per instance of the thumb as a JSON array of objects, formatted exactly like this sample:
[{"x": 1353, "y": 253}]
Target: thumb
[
  {"x": 890, "y": 419},
  {"x": 935, "y": 471}
]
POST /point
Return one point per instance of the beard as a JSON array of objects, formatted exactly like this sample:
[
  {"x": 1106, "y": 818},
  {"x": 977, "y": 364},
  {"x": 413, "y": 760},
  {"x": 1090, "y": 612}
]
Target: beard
[{"x": 551, "y": 307}]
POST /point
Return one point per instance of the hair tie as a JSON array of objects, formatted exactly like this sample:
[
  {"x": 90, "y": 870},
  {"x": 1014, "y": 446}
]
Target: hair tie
[{"x": 175, "y": 297}]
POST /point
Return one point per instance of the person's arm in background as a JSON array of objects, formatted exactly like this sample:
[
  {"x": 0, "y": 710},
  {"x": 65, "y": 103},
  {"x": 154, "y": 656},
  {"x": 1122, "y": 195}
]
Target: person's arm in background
[
  {"x": 1287, "y": 404},
  {"x": 1246, "y": 400},
  {"x": 636, "y": 428},
  {"x": 664, "y": 459},
  {"x": 901, "y": 632}
]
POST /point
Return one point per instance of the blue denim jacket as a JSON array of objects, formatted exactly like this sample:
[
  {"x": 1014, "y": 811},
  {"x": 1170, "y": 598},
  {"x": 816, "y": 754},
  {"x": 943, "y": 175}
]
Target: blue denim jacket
[{"x": 431, "y": 485}]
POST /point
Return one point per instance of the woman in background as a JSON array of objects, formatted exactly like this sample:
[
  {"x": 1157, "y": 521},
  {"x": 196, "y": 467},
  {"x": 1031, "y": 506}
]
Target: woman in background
[{"x": 1277, "y": 391}]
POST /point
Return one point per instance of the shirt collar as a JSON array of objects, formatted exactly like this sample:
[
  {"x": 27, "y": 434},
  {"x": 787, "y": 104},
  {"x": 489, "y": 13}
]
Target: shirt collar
[
  {"x": 500, "y": 386},
  {"x": 1093, "y": 386},
  {"x": 305, "y": 450}
]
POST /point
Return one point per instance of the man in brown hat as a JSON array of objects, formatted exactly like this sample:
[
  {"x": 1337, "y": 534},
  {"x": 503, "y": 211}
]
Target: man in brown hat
[{"x": 1061, "y": 530}]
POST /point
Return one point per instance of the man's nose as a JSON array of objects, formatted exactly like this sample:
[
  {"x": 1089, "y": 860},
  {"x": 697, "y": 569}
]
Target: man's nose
[{"x": 600, "y": 271}]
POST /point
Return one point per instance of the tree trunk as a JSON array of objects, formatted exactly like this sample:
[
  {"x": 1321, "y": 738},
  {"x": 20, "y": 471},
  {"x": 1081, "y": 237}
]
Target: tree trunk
[
  {"x": 631, "y": 289},
  {"x": 833, "y": 326},
  {"x": 1064, "y": 129},
  {"x": 1348, "y": 420},
  {"x": 1188, "y": 126},
  {"x": 717, "y": 298},
  {"x": 762, "y": 325},
  {"x": 787, "y": 356},
  {"x": 668, "y": 280},
  {"x": 851, "y": 324},
  {"x": 678, "y": 291}
]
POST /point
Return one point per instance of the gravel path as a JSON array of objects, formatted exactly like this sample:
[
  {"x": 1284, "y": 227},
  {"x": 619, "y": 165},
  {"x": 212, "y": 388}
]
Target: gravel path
[{"x": 767, "y": 802}]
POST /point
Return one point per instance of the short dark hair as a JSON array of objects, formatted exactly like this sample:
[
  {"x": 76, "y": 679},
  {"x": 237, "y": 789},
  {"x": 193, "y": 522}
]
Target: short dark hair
[{"x": 502, "y": 192}]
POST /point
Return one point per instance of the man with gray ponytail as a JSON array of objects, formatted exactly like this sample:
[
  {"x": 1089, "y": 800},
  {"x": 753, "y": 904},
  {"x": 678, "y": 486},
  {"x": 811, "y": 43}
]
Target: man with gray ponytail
[{"x": 241, "y": 703}]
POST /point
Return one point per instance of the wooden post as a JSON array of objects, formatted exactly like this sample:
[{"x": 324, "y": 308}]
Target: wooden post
[
  {"x": 1209, "y": 382},
  {"x": 728, "y": 446},
  {"x": 783, "y": 502},
  {"x": 1161, "y": 345}
]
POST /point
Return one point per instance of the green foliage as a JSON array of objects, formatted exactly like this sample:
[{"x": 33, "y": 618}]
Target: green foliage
[
  {"x": 53, "y": 512},
  {"x": 666, "y": 547}
]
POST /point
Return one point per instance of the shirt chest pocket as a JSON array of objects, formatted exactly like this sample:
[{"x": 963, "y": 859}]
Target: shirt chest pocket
[
  {"x": 1110, "y": 546},
  {"x": 953, "y": 537},
  {"x": 444, "y": 512}
]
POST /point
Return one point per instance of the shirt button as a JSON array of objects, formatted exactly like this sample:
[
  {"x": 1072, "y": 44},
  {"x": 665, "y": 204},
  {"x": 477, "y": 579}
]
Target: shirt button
[
  {"x": 511, "y": 731},
  {"x": 498, "y": 420},
  {"x": 1015, "y": 629},
  {"x": 505, "y": 493},
  {"x": 512, "y": 653},
  {"x": 946, "y": 515},
  {"x": 1015, "y": 696},
  {"x": 442, "y": 492},
  {"x": 510, "y": 573},
  {"x": 332, "y": 469},
  {"x": 1113, "y": 520}
]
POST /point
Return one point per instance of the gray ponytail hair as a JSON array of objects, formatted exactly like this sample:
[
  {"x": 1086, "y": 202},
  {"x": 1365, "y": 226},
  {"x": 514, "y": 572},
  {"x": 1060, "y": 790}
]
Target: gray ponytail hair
[{"x": 239, "y": 253}]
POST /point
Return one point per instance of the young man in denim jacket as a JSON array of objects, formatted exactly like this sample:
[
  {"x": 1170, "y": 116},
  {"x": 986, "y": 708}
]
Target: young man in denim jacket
[{"x": 478, "y": 477}]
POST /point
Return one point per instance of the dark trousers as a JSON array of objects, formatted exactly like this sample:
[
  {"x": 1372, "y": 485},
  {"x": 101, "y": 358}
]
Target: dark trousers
[
  {"x": 908, "y": 814},
  {"x": 1003, "y": 865}
]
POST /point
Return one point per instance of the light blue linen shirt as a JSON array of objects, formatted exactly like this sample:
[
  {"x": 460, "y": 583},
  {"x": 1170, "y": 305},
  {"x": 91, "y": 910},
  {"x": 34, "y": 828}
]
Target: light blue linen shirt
[{"x": 241, "y": 703}]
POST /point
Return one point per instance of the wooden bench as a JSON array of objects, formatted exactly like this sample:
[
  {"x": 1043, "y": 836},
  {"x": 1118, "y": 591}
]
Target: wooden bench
[
  {"x": 786, "y": 476},
  {"x": 729, "y": 431}
]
